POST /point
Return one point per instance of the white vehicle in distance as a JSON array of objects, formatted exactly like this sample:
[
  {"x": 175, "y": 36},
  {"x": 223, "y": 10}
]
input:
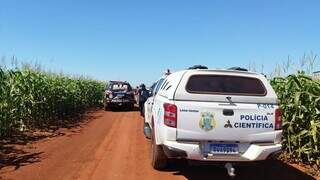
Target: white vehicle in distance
[{"x": 214, "y": 116}]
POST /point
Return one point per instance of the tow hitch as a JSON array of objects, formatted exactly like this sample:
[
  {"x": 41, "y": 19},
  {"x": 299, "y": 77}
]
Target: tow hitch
[{"x": 231, "y": 170}]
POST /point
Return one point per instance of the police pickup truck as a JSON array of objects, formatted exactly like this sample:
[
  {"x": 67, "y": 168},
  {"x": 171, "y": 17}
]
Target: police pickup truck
[
  {"x": 214, "y": 116},
  {"x": 118, "y": 94}
]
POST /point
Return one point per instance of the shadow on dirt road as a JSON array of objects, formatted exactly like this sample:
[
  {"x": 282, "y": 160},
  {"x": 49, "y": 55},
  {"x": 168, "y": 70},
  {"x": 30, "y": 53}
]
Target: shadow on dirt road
[
  {"x": 17, "y": 150},
  {"x": 16, "y": 158},
  {"x": 269, "y": 170}
]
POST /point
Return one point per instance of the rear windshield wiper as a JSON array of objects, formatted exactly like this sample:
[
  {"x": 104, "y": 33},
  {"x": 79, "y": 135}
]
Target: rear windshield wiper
[{"x": 230, "y": 101}]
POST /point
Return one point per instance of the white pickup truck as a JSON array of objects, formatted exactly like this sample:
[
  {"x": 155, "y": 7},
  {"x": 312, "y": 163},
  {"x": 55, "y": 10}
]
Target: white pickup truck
[{"x": 213, "y": 115}]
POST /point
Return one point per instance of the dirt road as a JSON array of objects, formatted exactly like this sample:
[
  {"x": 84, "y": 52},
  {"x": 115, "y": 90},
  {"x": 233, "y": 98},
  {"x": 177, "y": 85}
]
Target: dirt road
[{"x": 112, "y": 146}]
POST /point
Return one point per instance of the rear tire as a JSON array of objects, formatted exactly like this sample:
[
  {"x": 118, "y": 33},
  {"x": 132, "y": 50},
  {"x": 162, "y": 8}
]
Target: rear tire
[{"x": 158, "y": 158}]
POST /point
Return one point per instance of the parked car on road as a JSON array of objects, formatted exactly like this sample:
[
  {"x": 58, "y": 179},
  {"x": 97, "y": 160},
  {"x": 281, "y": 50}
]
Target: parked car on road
[
  {"x": 118, "y": 94},
  {"x": 213, "y": 116}
]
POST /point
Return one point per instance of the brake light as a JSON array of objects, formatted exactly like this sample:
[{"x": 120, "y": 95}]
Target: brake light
[
  {"x": 170, "y": 115},
  {"x": 109, "y": 94},
  {"x": 278, "y": 121}
]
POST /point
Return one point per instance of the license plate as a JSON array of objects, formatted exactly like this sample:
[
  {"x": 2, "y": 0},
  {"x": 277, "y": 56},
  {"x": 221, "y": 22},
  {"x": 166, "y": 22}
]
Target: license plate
[
  {"x": 116, "y": 100},
  {"x": 224, "y": 148}
]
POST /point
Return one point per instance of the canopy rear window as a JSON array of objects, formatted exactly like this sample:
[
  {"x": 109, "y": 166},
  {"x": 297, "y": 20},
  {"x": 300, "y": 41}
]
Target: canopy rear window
[
  {"x": 225, "y": 84},
  {"x": 120, "y": 87}
]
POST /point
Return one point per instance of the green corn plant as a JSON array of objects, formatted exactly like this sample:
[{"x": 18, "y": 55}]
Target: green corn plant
[
  {"x": 31, "y": 98},
  {"x": 300, "y": 102}
]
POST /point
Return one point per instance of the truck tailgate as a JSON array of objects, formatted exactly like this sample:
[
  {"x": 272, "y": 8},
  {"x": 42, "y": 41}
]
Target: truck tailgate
[{"x": 214, "y": 121}]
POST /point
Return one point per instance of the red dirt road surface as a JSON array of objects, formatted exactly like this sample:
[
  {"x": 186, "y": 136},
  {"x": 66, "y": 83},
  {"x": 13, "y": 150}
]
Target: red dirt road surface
[{"x": 112, "y": 146}]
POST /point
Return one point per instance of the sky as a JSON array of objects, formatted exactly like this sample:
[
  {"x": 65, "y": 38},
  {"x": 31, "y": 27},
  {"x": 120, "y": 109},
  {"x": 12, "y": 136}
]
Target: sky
[{"x": 138, "y": 40}]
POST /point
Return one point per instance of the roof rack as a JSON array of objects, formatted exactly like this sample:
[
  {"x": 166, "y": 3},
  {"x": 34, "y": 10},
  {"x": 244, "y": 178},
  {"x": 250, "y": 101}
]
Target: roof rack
[
  {"x": 198, "y": 67},
  {"x": 118, "y": 82},
  {"x": 238, "y": 69}
]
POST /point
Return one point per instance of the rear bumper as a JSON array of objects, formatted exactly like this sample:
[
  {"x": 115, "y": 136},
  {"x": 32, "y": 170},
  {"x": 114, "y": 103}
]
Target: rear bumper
[
  {"x": 193, "y": 151},
  {"x": 119, "y": 103},
  {"x": 172, "y": 152}
]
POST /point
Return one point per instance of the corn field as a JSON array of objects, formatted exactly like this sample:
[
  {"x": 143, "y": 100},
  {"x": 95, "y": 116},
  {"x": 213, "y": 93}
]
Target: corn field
[
  {"x": 32, "y": 98},
  {"x": 300, "y": 103}
]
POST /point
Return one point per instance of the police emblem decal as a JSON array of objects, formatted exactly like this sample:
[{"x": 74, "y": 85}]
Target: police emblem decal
[{"x": 207, "y": 121}]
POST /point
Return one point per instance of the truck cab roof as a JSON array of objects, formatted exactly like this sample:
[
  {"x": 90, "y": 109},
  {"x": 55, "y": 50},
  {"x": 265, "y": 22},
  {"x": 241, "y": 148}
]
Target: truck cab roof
[
  {"x": 174, "y": 86},
  {"x": 224, "y": 71}
]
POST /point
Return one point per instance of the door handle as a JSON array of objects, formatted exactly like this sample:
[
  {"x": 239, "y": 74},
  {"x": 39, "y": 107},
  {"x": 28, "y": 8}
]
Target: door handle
[{"x": 228, "y": 112}]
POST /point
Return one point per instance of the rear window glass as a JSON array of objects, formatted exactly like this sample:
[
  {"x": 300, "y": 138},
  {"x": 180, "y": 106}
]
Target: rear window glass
[
  {"x": 223, "y": 84},
  {"x": 120, "y": 87}
]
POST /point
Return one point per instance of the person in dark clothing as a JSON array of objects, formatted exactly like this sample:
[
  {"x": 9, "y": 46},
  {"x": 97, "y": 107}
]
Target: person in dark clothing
[{"x": 143, "y": 96}]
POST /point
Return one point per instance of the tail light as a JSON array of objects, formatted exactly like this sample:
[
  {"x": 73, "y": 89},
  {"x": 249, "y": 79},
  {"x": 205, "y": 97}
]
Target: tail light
[
  {"x": 109, "y": 94},
  {"x": 278, "y": 121},
  {"x": 170, "y": 115}
]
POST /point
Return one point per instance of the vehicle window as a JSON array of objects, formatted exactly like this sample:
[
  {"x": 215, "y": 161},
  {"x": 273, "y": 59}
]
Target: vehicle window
[
  {"x": 152, "y": 87},
  {"x": 120, "y": 87},
  {"x": 158, "y": 86},
  {"x": 164, "y": 85},
  {"x": 224, "y": 84}
]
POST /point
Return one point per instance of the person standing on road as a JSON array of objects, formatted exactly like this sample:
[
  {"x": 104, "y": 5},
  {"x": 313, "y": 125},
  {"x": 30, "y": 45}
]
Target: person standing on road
[
  {"x": 143, "y": 96},
  {"x": 136, "y": 95}
]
